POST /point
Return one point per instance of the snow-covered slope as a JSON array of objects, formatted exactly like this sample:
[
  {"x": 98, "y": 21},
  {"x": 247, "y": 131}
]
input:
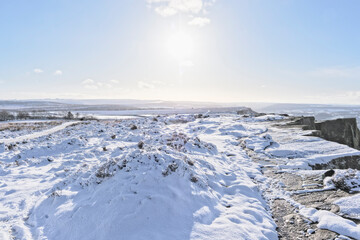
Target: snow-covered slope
[{"x": 171, "y": 178}]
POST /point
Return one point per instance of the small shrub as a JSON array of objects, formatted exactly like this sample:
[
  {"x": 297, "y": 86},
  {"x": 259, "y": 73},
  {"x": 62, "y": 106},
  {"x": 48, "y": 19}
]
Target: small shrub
[
  {"x": 11, "y": 146},
  {"x": 190, "y": 162},
  {"x": 55, "y": 194},
  {"x": 194, "y": 179},
  {"x": 23, "y": 115},
  {"x": 69, "y": 116},
  {"x": 5, "y": 116},
  {"x": 173, "y": 167},
  {"x": 177, "y": 141},
  {"x": 140, "y": 144},
  {"x": 123, "y": 165},
  {"x": 166, "y": 173},
  {"x": 103, "y": 172}
]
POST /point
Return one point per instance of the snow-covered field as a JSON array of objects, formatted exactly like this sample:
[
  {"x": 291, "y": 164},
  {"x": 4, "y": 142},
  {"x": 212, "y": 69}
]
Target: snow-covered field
[
  {"x": 165, "y": 177},
  {"x": 21, "y": 128}
]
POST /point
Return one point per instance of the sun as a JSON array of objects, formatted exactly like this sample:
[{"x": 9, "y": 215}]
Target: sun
[{"x": 180, "y": 45}]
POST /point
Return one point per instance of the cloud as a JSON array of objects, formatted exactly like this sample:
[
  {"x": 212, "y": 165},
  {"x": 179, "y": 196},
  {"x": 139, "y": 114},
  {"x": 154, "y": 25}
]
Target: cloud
[
  {"x": 114, "y": 81},
  {"x": 38, "y": 70},
  {"x": 171, "y": 7},
  {"x": 155, "y": 84},
  {"x": 58, "y": 73},
  {"x": 165, "y": 11},
  {"x": 199, "y": 21},
  {"x": 92, "y": 84},
  {"x": 193, "y": 8},
  {"x": 88, "y": 81},
  {"x": 145, "y": 85},
  {"x": 89, "y": 84}
]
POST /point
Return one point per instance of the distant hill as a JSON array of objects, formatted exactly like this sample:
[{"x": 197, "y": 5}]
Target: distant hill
[{"x": 105, "y": 104}]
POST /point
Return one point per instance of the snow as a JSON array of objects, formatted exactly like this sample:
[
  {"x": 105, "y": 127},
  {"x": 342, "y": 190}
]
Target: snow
[
  {"x": 296, "y": 153},
  {"x": 347, "y": 180},
  {"x": 19, "y": 128},
  {"x": 37, "y": 134},
  {"x": 333, "y": 222},
  {"x": 258, "y": 143},
  {"x": 171, "y": 177},
  {"x": 350, "y": 206},
  {"x": 310, "y": 231},
  {"x": 296, "y": 150},
  {"x": 188, "y": 180}
]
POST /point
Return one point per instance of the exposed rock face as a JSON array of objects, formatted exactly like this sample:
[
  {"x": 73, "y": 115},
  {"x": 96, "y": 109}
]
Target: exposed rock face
[
  {"x": 344, "y": 131},
  {"x": 307, "y": 122},
  {"x": 340, "y": 163},
  {"x": 246, "y": 111}
]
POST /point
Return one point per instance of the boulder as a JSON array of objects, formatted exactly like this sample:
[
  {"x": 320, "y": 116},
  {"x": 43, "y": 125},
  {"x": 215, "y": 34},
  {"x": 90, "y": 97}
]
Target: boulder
[
  {"x": 344, "y": 131},
  {"x": 308, "y": 123}
]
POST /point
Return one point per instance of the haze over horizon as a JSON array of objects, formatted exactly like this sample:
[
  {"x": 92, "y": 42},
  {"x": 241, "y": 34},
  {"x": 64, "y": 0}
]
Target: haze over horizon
[{"x": 181, "y": 50}]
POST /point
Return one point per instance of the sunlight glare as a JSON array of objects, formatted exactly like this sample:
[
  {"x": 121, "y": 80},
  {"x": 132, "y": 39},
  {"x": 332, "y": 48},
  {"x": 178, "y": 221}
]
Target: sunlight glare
[{"x": 180, "y": 45}]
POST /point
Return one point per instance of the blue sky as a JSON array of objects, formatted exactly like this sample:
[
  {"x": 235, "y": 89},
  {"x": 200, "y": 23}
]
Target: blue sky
[{"x": 203, "y": 50}]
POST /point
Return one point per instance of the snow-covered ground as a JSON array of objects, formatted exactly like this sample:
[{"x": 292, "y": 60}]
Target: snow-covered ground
[
  {"x": 294, "y": 149},
  {"x": 295, "y": 152},
  {"x": 169, "y": 177},
  {"x": 13, "y": 129}
]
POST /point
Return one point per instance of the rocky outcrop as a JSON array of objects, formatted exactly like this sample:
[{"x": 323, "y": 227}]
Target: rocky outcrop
[
  {"x": 308, "y": 123},
  {"x": 247, "y": 111},
  {"x": 340, "y": 163},
  {"x": 344, "y": 131}
]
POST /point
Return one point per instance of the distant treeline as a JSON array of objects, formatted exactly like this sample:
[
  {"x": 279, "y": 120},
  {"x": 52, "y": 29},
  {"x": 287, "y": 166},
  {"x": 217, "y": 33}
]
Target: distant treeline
[{"x": 40, "y": 115}]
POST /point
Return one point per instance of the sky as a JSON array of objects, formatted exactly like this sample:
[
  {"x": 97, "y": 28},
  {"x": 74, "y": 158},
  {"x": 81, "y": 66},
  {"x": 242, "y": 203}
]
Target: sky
[{"x": 200, "y": 50}]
